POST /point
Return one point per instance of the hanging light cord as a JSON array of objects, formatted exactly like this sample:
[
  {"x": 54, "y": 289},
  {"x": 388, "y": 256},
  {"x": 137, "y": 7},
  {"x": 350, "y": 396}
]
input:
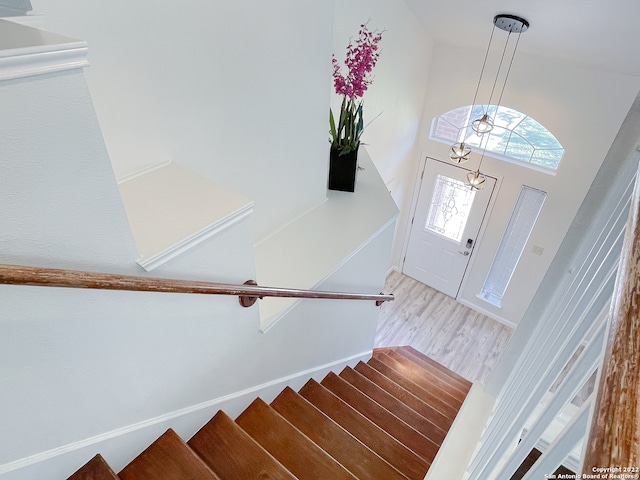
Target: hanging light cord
[
  {"x": 503, "y": 85},
  {"x": 510, "y": 64},
  {"x": 495, "y": 82},
  {"x": 486, "y": 55}
]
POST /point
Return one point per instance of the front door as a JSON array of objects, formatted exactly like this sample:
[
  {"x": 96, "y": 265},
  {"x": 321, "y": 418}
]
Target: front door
[{"x": 447, "y": 219}]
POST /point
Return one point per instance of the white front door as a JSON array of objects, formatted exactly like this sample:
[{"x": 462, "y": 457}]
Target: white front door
[{"x": 447, "y": 219}]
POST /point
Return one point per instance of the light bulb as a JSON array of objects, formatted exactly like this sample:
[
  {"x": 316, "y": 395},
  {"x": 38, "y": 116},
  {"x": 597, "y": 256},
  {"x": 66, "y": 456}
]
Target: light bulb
[
  {"x": 482, "y": 125},
  {"x": 460, "y": 152},
  {"x": 475, "y": 180}
]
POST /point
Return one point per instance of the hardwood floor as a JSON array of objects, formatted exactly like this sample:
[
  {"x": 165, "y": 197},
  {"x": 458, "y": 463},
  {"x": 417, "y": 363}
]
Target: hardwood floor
[{"x": 459, "y": 338}]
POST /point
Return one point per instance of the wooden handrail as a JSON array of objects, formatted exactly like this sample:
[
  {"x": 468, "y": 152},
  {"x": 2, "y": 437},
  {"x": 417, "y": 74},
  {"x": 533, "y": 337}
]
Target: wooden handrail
[
  {"x": 248, "y": 293},
  {"x": 614, "y": 439}
]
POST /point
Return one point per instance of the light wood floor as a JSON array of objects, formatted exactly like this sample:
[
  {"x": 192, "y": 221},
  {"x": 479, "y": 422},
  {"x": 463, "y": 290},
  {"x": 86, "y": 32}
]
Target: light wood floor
[{"x": 459, "y": 338}]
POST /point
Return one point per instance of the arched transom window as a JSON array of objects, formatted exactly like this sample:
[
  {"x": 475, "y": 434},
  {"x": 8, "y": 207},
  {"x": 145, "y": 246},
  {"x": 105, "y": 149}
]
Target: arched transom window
[{"x": 515, "y": 135}]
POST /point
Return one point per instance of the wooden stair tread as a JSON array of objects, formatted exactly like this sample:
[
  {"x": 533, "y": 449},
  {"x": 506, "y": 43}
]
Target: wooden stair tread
[
  {"x": 391, "y": 403},
  {"x": 430, "y": 375},
  {"x": 232, "y": 454},
  {"x": 332, "y": 438},
  {"x": 288, "y": 445},
  {"x": 421, "y": 377},
  {"x": 397, "y": 428},
  {"x": 386, "y": 446},
  {"x": 95, "y": 469},
  {"x": 381, "y": 420},
  {"x": 404, "y": 395},
  {"x": 444, "y": 406},
  {"x": 420, "y": 358},
  {"x": 168, "y": 458}
]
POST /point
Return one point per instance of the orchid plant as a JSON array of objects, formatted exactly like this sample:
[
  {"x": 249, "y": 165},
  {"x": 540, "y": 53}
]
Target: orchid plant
[{"x": 362, "y": 56}]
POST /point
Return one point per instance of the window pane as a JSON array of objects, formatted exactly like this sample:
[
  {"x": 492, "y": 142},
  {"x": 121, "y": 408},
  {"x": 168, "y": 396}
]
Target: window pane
[
  {"x": 498, "y": 140},
  {"x": 547, "y": 158},
  {"x": 471, "y": 138},
  {"x": 509, "y": 118},
  {"x": 514, "y": 240},
  {"x": 519, "y": 148},
  {"x": 537, "y": 134},
  {"x": 450, "y": 206},
  {"x": 444, "y": 130},
  {"x": 458, "y": 117}
]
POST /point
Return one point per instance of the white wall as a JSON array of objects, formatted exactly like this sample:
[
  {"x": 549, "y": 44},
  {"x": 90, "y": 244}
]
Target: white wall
[
  {"x": 394, "y": 102},
  {"x": 252, "y": 117},
  {"x": 238, "y": 91},
  {"x": 48, "y": 144},
  {"x": 87, "y": 369},
  {"x": 582, "y": 108},
  {"x": 83, "y": 369}
]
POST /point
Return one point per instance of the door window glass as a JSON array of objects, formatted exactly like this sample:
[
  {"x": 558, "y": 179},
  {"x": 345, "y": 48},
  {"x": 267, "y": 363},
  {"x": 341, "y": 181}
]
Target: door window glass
[{"x": 450, "y": 206}]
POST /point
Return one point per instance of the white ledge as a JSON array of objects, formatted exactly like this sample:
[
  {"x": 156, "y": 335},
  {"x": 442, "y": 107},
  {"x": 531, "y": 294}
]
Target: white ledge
[
  {"x": 26, "y": 51},
  {"x": 172, "y": 209},
  {"x": 323, "y": 239}
]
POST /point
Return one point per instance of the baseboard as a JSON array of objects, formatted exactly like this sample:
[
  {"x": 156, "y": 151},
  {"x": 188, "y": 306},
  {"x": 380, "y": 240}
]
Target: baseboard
[
  {"x": 392, "y": 269},
  {"x": 65, "y": 459},
  {"x": 487, "y": 313}
]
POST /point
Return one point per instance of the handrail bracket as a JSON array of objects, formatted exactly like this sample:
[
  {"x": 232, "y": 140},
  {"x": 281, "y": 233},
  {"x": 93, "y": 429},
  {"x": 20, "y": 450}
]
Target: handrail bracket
[{"x": 248, "y": 300}]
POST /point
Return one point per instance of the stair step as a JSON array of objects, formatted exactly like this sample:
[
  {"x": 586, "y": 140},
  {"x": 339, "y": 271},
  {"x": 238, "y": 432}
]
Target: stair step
[
  {"x": 432, "y": 377},
  {"x": 404, "y": 395},
  {"x": 168, "y": 458},
  {"x": 421, "y": 359},
  {"x": 381, "y": 420},
  {"x": 447, "y": 407},
  {"x": 391, "y": 403},
  {"x": 95, "y": 469},
  {"x": 401, "y": 431},
  {"x": 288, "y": 445},
  {"x": 232, "y": 454},
  {"x": 332, "y": 438},
  {"x": 386, "y": 446},
  {"x": 417, "y": 375}
]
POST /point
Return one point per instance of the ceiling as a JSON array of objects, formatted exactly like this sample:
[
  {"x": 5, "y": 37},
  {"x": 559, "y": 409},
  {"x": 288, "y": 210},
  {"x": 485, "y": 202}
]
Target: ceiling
[{"x": 599, "y": 34}]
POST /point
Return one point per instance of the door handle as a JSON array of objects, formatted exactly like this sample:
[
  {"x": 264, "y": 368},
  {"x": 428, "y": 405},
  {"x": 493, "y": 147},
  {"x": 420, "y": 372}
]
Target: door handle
[{"x": 465, "y": 253}]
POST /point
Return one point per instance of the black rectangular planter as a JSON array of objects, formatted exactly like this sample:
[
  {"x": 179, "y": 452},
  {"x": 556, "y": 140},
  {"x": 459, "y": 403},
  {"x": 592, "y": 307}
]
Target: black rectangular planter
[{"x": 342, "y": 170}]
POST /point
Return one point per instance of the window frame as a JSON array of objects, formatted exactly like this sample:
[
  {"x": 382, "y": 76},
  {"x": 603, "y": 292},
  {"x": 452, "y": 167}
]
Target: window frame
[{"x": 510, "y": 132}]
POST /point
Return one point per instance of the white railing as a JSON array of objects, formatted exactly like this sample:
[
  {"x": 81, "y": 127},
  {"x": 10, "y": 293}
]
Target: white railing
[
  {"x": 573, "y": 383},
  {"x": 570, "y": 332}
]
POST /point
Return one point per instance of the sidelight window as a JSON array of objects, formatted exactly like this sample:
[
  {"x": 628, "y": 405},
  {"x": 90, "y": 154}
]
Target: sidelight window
[{"x": 514, "y": 240}]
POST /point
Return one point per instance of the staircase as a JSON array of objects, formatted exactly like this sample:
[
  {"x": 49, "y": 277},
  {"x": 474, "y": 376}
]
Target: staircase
[{"x": 384, "y": 419}]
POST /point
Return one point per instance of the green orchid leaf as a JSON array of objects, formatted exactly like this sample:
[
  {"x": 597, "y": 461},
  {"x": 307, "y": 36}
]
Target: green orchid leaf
[{"x": 332, "y": 125}]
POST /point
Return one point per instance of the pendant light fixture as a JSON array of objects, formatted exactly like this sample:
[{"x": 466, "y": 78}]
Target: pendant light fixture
[
  {"x": 475, "y": 180},
  {"x": 482, "y": 126},
  {"x": 460, "y": 152}
]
